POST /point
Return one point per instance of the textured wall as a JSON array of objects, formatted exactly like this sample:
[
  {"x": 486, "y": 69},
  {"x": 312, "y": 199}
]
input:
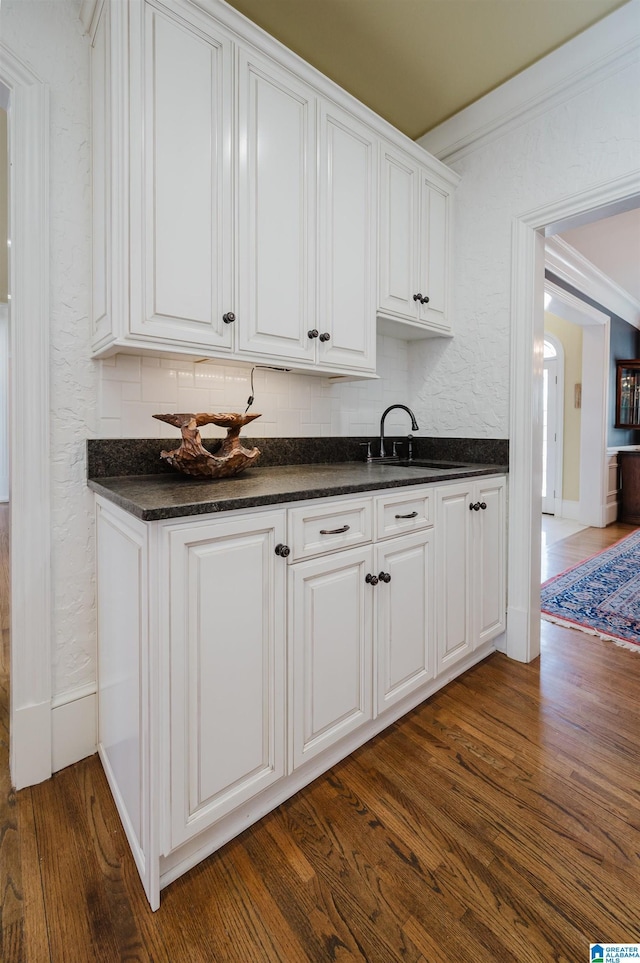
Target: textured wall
[
  {"x": 462, "y": 386},
  {"x": 48, "y": 37}
]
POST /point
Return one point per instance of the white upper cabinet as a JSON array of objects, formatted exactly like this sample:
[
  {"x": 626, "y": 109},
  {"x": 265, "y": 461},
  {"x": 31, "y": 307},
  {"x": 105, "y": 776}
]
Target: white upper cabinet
[
  {"x": 347, "y": 233},
  {"x": 184, "y": 286},
  {"x": 415, "y": 248},
  {"x": 276, "y": 229},
  {"x": 236, "y": 194}
]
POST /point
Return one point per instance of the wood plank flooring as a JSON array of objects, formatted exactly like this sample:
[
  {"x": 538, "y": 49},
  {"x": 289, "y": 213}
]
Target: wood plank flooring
[{"x": 498, "y": 821}]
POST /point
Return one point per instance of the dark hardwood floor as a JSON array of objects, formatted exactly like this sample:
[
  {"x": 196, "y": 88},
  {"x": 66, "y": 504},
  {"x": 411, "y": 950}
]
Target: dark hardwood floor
[{"x": 499, "y": 821}]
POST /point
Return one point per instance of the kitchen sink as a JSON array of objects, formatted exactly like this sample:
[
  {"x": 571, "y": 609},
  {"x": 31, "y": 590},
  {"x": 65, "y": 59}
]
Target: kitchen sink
[{"x": 422, "y": 463}]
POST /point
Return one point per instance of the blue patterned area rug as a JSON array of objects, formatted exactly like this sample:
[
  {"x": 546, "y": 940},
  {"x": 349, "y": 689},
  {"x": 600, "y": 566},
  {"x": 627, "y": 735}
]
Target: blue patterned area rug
[{"x": 600, "y": 596}]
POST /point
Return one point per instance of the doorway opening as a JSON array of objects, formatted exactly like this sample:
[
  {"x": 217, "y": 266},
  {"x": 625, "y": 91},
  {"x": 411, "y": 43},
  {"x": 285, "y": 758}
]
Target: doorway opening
[
  {"x": 527, "y": 364},
  {"x": 552, "y": 420}
]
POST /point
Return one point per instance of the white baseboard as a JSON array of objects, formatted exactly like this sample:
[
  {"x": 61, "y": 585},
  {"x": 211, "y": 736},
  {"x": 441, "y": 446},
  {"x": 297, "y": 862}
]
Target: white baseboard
[
  {"x": 74, "y": 730},
  {"x": 30, "y": 745},
  {"x": 612, "y": 513}
]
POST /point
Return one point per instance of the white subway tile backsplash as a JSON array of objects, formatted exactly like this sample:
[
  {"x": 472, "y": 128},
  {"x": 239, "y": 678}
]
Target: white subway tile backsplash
[
  {"x": 291, "y": 405},
  {"x": 126, "y": 368}
]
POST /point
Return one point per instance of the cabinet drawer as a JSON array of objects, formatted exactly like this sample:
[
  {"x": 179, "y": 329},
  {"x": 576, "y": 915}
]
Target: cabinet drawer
[
  {"x": 407, "y": 512},
  {"x": 316, "y": 529}
]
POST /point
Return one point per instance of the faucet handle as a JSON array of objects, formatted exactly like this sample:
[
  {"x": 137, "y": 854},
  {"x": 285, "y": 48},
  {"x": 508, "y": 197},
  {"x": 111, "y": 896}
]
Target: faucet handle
[
  {"x": 367, "y": 445},
  {"x": 409, "y": 446}
]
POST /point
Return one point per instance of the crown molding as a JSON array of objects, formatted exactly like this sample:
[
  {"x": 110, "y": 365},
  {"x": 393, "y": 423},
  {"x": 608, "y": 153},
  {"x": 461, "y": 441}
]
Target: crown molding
[
  {"x": 573, "y": 268},
  {"x": 90, "y": 11},
  {"x": 586, "y": 60},
  {"x": 569, "y": 307}
]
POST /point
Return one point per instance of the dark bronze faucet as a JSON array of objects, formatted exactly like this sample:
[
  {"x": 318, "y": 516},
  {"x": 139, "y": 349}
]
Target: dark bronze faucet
[{"x": 414, "y": 424}]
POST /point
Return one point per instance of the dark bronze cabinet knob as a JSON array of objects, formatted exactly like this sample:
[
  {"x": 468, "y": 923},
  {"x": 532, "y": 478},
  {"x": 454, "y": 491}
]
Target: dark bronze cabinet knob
[
  {"x": 313, "y": 333},
  {"x": 417, "y": 297},
  {"x": 384, "y": 577},
  {"x": 424, "y": 300},
  {"x": 371, "y": 579},
  {"x": 325, "y": 336},
  {"x": 282, "y": 550},
  {"x": 483, "y": 505},
  {"x": 474, "y": 507},
  {"x": 229, "y": 317}
]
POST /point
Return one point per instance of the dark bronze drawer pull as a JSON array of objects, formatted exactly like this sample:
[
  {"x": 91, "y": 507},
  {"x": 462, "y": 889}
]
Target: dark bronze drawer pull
[
  {"x": 410, "y": 515},
  {"x": 334, "y": 531}
]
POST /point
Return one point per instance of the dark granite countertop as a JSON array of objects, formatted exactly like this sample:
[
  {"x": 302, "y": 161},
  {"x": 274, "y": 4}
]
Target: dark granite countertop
[{"x": 160, "y": 496}]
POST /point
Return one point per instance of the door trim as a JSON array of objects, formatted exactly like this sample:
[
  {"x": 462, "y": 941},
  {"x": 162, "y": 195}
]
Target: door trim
[{"x": 30, "y": 486}]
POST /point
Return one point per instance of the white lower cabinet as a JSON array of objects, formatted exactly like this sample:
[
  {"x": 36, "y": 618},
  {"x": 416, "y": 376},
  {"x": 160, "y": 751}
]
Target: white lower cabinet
[
  {"x": 330, "y": 649},
  {"x": 405, "y": 617},
  {"x": 234, "y": 668},
  {"x": 471, "y": 575},
  {"x": 226, "y": 667}
]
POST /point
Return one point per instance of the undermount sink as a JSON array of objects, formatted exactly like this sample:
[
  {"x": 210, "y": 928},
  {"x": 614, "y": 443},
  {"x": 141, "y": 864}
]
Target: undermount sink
[{"x": 422, "y": 463}]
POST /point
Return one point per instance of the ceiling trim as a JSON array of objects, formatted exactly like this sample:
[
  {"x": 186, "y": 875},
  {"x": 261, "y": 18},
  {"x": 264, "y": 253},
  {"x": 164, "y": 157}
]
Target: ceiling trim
[
  {"x": 575, "y": 269},
  {"x": 90, "y": 11},
  {"x": 571, "y": 308},
  {"x": 588, "y": 59}
]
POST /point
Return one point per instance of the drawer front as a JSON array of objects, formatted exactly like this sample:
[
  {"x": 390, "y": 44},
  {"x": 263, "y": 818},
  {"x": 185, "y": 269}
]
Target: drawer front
[
  {"x": 407, "y": 512},
  {"x": 316, "y": 529}
]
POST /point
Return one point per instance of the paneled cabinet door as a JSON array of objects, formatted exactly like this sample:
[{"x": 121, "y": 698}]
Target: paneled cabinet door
[
  {"x": 454, "y": 625},
  {"x": 181, "y": 200},
  {"x": 276, "y": 207},
  {"x": 471, "y": 567},
  {"x": 226, "y": 667},
  {"x": 330, "y": 610},
  {"x": 433, "y": 260},
  {"x": 490, "y": 576},
  {"x": 347, "y": 241},
  {"x": 414, "y": 245},
  {"x": 405, "y": 616}
]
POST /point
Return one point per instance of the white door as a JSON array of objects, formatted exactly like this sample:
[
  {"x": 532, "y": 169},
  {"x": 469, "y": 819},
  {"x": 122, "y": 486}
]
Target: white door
[
  {"x": 347, "y": 241},
  {"x": 433, "y": 256},
  {"x": 276, "y": 204},
  {"x": 489, "y": 559},
  {"x": 330, "y": 639},
  {"x": 404, "y": 616},
  {"x": 183, "y": 288},
  {"x": 549, "y": 431},
  {"x": 227, "y": 667},
  {"x": 399, "y": 227},
  {"x": 453, "y": 573}
]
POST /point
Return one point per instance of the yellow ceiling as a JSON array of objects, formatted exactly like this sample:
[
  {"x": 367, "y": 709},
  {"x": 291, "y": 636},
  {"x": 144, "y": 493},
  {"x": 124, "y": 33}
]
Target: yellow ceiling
[{"x": 418, "y": 62}]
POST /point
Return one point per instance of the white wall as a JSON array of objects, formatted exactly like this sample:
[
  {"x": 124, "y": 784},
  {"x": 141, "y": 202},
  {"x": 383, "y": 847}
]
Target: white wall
[
  {"x": 48, "y": 37},
  {"x": 462, "y": 387}
]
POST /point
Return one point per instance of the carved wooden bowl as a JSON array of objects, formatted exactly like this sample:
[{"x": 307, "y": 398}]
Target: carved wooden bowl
[{"x": 192, "y": 458}]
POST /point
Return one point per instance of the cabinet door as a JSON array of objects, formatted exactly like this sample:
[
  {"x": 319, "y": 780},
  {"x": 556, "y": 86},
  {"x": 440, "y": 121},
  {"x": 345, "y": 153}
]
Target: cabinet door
[
  {"x": 182, "y": 236},
  {"x": 405, "y": 616},
  {"x": 433, "y": 264},
  {"x": 227, "y": 668},
  {"x": 399, "y": 230},
  {"x": 489, "y": 564},
  {"x": 454, "y": 628},
  {"x": 276, "y": 203},
  {"x": 330, "y": 643},
  {"x": 347, "y": 241}
]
